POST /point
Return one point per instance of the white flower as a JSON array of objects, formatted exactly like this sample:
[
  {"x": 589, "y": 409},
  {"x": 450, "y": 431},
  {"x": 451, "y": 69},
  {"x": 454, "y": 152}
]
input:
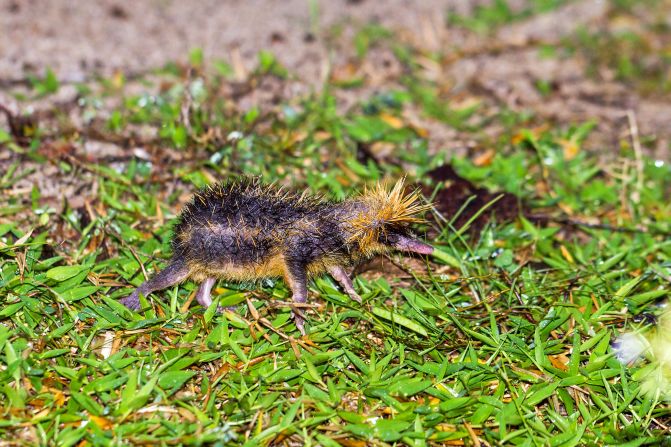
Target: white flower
[
  {"x": 655, "y": 377},
  {"x": 235, "y": 135},
  {"x": 629, "y": 347}
]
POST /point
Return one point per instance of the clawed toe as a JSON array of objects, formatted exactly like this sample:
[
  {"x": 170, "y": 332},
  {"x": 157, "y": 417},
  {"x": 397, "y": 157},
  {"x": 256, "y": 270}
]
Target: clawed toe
[
  {"x": 299, "y": 321},
  {"x": 131, "y": 301},
  {"x": 345, "y": 281},
  {"x": 355, "y": 296},
  {"x": 300, "y": 325}
]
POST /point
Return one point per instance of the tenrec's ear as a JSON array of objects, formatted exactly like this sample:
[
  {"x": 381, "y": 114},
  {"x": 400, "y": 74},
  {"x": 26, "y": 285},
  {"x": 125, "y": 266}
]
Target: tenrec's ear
[{"x": 412, "y": 245}]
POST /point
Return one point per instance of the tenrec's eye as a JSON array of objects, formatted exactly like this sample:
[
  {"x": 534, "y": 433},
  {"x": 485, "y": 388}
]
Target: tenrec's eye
[{"x": 388, "y": 238}]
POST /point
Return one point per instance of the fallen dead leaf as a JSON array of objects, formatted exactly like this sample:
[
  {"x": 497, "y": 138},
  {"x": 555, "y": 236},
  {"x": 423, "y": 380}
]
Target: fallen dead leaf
[
  {"x": 559, "y": 361},
  {"x": 485, "y": 158}
]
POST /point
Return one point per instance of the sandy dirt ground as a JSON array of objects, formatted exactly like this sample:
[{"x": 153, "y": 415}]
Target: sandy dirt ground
[
  {"x": 77, "y": 38},
  {"x": 83, "y": 39}
]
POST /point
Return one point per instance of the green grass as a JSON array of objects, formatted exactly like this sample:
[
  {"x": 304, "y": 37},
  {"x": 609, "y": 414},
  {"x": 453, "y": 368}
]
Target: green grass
[
  {"x": 489, "y": 16},
  {"x": 634, "y": 51},
  {"x": 502, "y": 339}
]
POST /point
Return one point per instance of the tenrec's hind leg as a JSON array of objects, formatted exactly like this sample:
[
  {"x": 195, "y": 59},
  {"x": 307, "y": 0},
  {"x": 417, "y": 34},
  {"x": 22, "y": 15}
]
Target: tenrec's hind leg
[
  {"x": 340, "y": 275},
  {"x": 174, "y": 273},
  {"x": 297, "y": 279},
  {"x": 203, "y": 294}
]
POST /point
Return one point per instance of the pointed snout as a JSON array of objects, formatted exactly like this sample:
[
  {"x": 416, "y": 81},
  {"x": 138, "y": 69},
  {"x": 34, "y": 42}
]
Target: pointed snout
[{"x": 413, "y": 245}]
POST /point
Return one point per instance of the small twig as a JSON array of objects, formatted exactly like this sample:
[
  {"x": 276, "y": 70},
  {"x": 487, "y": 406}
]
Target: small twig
[
  {"x": 262, "y": 321},
  {"x": 187, "y": 104},
  {"x": 665, "y": 427},
  {"x": 598, "y": 226},
  {"x": 187, "y": 303},
  {"x": 137, "y": 258},
  {"x": 638, "y": 154},
  {"x": 276, "y": 303},
  {"x": 6, "y": 111},
  {"x": 108, "y": 230},
  {"x": 400, "y": 266},
  {"x": 472, "y": 434}
]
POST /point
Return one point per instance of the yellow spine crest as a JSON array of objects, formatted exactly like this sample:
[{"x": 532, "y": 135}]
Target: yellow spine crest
[{"x": 383, "y": 209}]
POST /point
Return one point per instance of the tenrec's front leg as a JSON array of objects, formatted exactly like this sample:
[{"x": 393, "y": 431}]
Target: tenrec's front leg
[
  {"x": 340, "y": 275},
  {"x": 203, "y": 294},
  {"x": 174, "y": 273},
  {"x": 297, "y": 280}
]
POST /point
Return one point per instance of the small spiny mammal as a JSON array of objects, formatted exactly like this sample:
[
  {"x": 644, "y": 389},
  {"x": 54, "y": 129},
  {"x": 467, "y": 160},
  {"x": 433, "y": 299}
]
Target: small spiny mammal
[{"x": 245, "y": 230}]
